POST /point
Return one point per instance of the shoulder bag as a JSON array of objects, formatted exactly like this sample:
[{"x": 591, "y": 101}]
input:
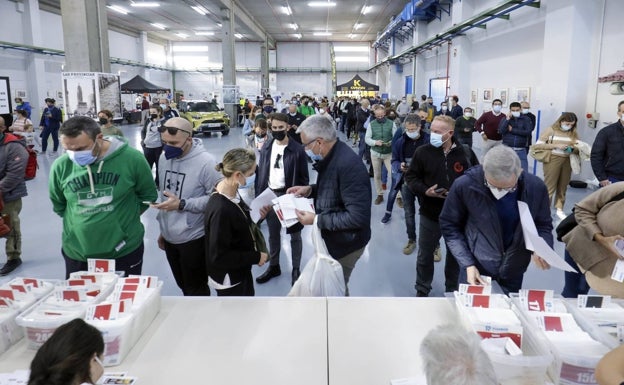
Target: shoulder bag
[{"x": 541, "y": 155}]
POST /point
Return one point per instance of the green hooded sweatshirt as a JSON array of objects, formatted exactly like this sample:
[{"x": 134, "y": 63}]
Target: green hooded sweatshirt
[{"x": 101, "y": 204}]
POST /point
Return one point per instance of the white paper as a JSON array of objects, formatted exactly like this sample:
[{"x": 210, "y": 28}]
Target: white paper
[
  {"x": 421, "y": 380},
  {"x": 221, "y": 286},
  {"x": 536, "y": 243},
  {"x": 261, "y": 200},
  {"x": 618, "y": 271}
]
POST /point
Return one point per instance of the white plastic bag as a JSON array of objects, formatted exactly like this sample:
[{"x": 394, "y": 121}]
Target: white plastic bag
[{"x": 322, "y": 276}]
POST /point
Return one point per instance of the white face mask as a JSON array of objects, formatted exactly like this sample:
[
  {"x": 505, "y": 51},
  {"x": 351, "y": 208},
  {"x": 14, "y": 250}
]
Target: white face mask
[
  {"x": 468, "y": 114},
  {"x": 498, "y": 194},
  {"x": 497, "y": 108},
  {"x": 622, "y": 117},
  {"x": 566, "y": 127},
  {"x": 515, "y": 114},
  {"x": 412, "y": 135},
  {"x": 525, "y": 111},
  {"x": 444, "y": 108}
]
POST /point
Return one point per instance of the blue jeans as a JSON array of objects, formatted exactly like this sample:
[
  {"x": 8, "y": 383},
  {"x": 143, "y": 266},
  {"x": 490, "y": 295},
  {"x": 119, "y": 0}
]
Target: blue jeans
[
  {"x": 393, "y": 191},
  {"x": 343, "y": 121},
  {"x": 429, "y": 238},
  {"x": 45, "y": 134},
  {"x": 409, "y": 207},
  {"x": 522, "y": 154},
  {"x": 575, "y": 283}
]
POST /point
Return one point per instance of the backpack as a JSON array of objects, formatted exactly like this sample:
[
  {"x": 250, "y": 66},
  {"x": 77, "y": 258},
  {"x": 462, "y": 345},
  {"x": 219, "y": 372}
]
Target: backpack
[{"x": 31, "y": 165}]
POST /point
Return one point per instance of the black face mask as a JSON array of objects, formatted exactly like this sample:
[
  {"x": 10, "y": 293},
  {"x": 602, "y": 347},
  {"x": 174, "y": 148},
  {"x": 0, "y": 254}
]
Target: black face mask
[
  {"x": 261, "y": 135},
  {"x": 279, "y": 135},
  {"x": 103, "y": 120},
  {"x": 154, "y": 116}
]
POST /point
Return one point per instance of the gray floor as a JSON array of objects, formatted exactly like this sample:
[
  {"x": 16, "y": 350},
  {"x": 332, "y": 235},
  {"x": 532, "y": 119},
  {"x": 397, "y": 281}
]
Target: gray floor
[{"x": 382, "y": 271}]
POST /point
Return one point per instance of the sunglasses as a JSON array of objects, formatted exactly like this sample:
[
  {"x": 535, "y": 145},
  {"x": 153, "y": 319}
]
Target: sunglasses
[{"x": 171, "y": 130}]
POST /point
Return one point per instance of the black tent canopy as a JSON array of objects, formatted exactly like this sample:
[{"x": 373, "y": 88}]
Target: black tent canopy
[
  {"x": 138, "y": 85},
  {"x": 357, "y": 87}
]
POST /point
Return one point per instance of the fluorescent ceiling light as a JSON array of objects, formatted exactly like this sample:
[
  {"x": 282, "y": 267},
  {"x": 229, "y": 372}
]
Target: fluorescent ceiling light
[
  {"x": 182, "y": 35},
  {"x": 286, "y": 10},
  {"x": 220, "y": 25},
  {"x": 322, "y": 33},
  {"x": 351, "y": 59},
  {"x": 357, "y": 26},
  {"x": 204, "y": 33},
  {"x": 118, "y": 9},
  {"x": 321, "y": 4},
  {"x": 351, "y": 48},
  {"x": 159, "y": 26},
  {"x": 146, "y": 4},
  {"x": 238, "y": 35},
  {"x": 298, "y": 35},
  {"x": 366, "y": 9},
  {"x": 189, "y": 48},
  {"x": 293, "y": 26},
  {"x": 201, "y": 10}
]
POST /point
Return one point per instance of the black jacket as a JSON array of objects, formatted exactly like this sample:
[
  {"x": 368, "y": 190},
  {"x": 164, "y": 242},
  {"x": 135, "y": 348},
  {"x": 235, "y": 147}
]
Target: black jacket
[
  {"x": 342, "y": 199},
  {"x": 607, "y": 153},
  {"x": 430, "y": 166},
  {"x": 362, "y": 117},
  {"x": 295, "y": 166},
  {"x": 295, "y": 121}
]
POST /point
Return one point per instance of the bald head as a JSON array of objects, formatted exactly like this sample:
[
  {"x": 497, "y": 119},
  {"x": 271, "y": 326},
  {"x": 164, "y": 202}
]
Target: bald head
[{"x": 180, "y": 123}]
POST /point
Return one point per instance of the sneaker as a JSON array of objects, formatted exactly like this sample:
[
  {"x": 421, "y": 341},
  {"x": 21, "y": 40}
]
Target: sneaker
[
  {"x": 410, "y": 247},
  {"x": 11, "y": 265},
  {"x": 561, "y": 214},
  {"x": 437, "y": 255},
  {"x": 399, "y": 202},
  {"x": 379, "y": 199},
  {"x": 386, "y": 218}
]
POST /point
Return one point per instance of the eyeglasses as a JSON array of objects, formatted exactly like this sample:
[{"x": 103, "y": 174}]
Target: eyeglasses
[
  {"x": 309, "y": 143},
  {"x": 277, "y": 161},
  {"x": 508, "y": 189},
  {"x": 171, "y": 130}
]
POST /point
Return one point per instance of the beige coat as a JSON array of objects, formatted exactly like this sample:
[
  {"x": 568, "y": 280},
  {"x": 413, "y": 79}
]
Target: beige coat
[{"x": 594, "y": 215}]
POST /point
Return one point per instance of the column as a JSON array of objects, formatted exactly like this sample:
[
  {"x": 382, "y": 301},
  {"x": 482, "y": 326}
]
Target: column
[
  {"x": 85, "y": 35},
  {"x": 264, "y": 65},
  {"x": 228, "y": 55},
  {"x": 459, "y": 71},
  {"x": 142, "y": 50},
  {"x": 35, "y": 64}
]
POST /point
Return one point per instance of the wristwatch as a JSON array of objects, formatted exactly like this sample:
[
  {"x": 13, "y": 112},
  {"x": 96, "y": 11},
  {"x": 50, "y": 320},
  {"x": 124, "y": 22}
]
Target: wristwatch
[{"x": 182, "y": 204}]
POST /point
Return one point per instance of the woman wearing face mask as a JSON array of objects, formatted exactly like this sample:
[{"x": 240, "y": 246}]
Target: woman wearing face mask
[
  {"x": 248, "y": 127},
  {"x": 72, "y": 356},
  {"x": 150, "y": 137},
  {"x": 105, "y": 118},
  {"x": 260, "y": 135},
  {"x": 230, "y": 247},
  {"x": 561, "y": 139}
]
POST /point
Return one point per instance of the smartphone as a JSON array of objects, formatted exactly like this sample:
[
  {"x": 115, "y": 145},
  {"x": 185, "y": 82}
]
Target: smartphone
[
  {"x": 439, "y": 190},
  {"x": 149, "y": 203},
  {"x": 619, "y": 245}
]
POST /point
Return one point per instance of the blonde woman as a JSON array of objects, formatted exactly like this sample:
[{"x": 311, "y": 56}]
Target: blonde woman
[
  {"x": 560, "y": 138},
  {"x": 230, "y": 246}
]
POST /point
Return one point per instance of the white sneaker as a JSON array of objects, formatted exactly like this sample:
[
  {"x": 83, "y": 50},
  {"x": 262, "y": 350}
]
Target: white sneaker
[{"x": 561, "y": 214}]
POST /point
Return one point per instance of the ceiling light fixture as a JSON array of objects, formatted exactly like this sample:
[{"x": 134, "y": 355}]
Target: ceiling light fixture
[
  {"x": 201, "y": 10},
  {"x": 298, "y": 35},
  {"x": 204, "y": 33},
  {"x": 189, "y": 48},
  {"x": 238, "y": 35},
  {"x": 219, "y": 25},
  {"x": 182, "y": 35},
  {"x": 352, "y": 59},
  {"x": 321, "y": 4},
  {"x": 357, "y": 26},
  {"x": 351, "y": 48},
  {"x": 118, "y": 9},
  {"x": 293, "y": 26},
  {"x": 322, "y": 33},
  {"x": 366, "y": 9},
  {"x": 286, "y": 10},
  {"x": 159, "y": 26},
  {"x": 145, "y": 4}
]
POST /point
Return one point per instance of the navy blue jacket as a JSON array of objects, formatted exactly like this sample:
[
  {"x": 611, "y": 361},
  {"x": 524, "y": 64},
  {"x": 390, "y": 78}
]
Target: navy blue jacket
[
  {"x": 520, "y": 134},
  {"x": 295, "y": 166},
  {"x": 53, "y": 122},
  {"x": 471, "y": 228},
  {"x": 607, "y": 155},
  {"x": 342, "y": 199},
  {"x": 457, "y": 111},
  {"x": 398, "y": 156}
]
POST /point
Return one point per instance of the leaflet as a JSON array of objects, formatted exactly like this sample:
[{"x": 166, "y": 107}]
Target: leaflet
[{"x": 264, "y": 199}]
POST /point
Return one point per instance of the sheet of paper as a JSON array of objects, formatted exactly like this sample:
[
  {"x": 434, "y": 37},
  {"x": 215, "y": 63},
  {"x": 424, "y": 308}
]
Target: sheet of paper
[
  {"x": 261, "y": 200},
  {"x": 221, "y": 286},
  {"x": 536, "y": 243}
]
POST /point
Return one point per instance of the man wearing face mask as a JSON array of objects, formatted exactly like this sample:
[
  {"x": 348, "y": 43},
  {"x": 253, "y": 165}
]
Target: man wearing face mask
[
  {"x": 188, "y": 177},
  {"x": 105, "y": 118},
  {"x": 487, "y": 125},
  {"x": 379, "y": 138},
  {"x": 283, "y": 164},
  {"x": 306, "y": 107},
  {"x": 268, "y": 106},
  {"x": 444, "y": 110},
  {"x": 49, "y": 125},
  {"x": 295, "y": 118},
  {"x": 481, "y": 222},
  {"x": 464, "y": 127},
  {"x": 97, "y": 187},
  {"x": 607, "y": 157},
  {"x": 456, "y": 109},
  {"x": 516, "y": 130},
  {"x": 433, "y": 169},
  {"x": 403, "y": 109},
  {"x": 150, "y": 137}
]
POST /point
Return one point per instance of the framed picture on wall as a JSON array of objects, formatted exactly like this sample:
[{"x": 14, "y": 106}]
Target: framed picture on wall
[
  {"x": 473, "y": 97},
  {"x": 503, "y": 95},
  {"x": 487, "y": 94},
  {"x": 523, "y": 94}
]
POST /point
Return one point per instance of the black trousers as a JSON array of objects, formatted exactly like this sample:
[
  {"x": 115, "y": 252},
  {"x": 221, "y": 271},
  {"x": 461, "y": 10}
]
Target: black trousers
[
  {"x": 130, "y": 263},
  {"x": 152, "y": 155},
  {"x": 188, "y": 265}
]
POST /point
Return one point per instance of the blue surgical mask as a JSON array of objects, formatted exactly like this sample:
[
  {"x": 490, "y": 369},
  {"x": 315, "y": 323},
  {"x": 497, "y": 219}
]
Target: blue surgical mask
[
  {"x": 436, "y": 139},
  {"x": 313, "y": 156},
  {"x": 82, "y": 158},
  {"x": 249, "y": 182},
  {"x": 172, "y": 151}
]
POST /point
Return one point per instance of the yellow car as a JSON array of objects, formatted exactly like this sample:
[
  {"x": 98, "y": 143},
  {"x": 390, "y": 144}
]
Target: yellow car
[{"x": 206, "y": 117}]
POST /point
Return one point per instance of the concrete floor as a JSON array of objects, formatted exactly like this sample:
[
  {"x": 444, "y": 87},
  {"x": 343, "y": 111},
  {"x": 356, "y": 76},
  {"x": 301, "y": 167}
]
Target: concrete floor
[{"x": 383, "y": 270}]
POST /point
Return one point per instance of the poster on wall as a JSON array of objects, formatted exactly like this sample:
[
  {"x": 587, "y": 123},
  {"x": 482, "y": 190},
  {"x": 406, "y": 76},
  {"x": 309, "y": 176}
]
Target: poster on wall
[
  {"x": 86, "y": 93},
  {"x": 230, "y": 94},
  {"x": 5, "y": 96}
]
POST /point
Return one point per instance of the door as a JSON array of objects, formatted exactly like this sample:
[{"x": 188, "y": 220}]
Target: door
[
  {"x": 437, "y": 90},
  {"x": 409, "y": 84}
]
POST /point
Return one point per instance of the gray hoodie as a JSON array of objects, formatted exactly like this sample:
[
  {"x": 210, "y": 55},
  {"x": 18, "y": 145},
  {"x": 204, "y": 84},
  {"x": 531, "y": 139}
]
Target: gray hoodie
[{"x": 192, "y": 178}]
